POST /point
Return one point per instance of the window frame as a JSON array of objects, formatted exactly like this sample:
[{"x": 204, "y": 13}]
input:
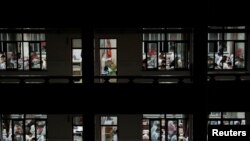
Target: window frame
[
  {"x": 72, "y": 48},
  {"x": 24, "y": 125},
  {"x": 186, "y": 119},
  {"x": 22, "y": 41},
  {"x": 103, "y": 48},
  {"x": 165, "y": 42},
  {"x": 221, "y": 119},
  {"x": 77, "y": 125},
  {"x": 224, "y": 30},
  {"x": 113, "y": 125}
]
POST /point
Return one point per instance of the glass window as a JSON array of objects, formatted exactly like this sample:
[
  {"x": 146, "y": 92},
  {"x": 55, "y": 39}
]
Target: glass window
[
  {"x": 76, "y": 43},
  {"x": 226, "y": 118},
  {"x": 169, "y": 127},
  {"x": 108, "y": 57},
  {"x": 20, "y": 127},
  {"x": 165, "y": 51},
  {"x": 35, "y": 55},
  {"x": 77, "y": 128},
  {"x": 77, "y": 59},
  {"x": 226, "y": 50},
  {"x": 23, "y": 51},
  {"x": 109, "y": 128}
]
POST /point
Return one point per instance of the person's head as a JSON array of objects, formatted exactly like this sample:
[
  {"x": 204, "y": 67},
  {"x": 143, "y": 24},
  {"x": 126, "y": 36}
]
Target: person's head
[
  {"x": 224, "y": 59},
  {"x": 29, "y": 134},
  {"x": 3, "y": 57},
  {"x": 106, "y": 68}
]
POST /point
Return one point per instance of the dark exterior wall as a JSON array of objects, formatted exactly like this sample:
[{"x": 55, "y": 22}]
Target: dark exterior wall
[
  {"x": 60, "y": 127},
  {"x": 247, "y": 118}
]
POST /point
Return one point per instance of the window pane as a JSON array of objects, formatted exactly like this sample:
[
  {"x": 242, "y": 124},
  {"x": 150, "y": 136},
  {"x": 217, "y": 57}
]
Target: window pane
[
  {"x": 155, "y": 130},
  {"x": 44, "y": 55},
  {"x": 108, "y": 61},
  {"x": 174, "y": 36},
  {"x": 11, "y": 55},
  {"x": 18, "y": 130},
  {"x": 10, "y": 37},
  {"x": 172, "y": 130},
  {"x": 215, "y": 115},
  {"x": 2, "y": 60},
  {"x": 214, "y": 36},
  {"x": 109, "y": 133},
  {"x": 214, "y": 122},
  {"x": 33, "y": 36},
  {"x": 163, "y": 130},
  {"x": 145, "y": 130},
  {"x": 37, "y": 116},
  {"x": 151, "y": 55},
  {"x": 162, "y": 61},
  {"x": 235, "y": 27},
  {"x": 26, "y": 55},
  {"x": 239, "y": 55},
  {"x": 182, "y": 125},
  {"x": 77, "y": 43},
  {"x": 237, "y": 122},
  {"x": 77, "y": 120},
  {"x": 170, "y": 63},
  {"x": 77, "y": 61},
  {"x": 13, "y": 116},
  {"x": 153, "y": 115},
  {"x": 77, "y": 133},
  {"x": 144, "y": 60},
  {"x": 224, "y": 57},
  {"x": 6, "y": 129},
  {"x": 180, "y": 57},
  {"x": 234, "y": 115},
  {"x": 234, "y": 36},
  {"x": 211, "y": 53},
  {"x": 108, "y": 43},
  {"x": 35, "y": 55},
  {"x": 30, "y": 129},
  {"x": 20, "y": 55},
  {"x": 243, "y": 122},
  {"x": 226, "y": 122},
  {"x": 215, "y": 27},
  {"x": 145, "y": 36},
  {"x": 41, "y": 130},
  {"x": 175, "y": 116},
  {"x": 108, "y": 120}
]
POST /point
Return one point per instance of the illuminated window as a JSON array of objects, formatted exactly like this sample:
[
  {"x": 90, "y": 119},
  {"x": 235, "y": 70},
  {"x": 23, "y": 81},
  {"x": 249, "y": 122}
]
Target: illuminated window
[
  {"x": 77, "y": 128},
  {"x": 23, "y": 51},
  {"x": 21, "y": 127},
  {"x": 227, "y": 118},
  {"x": 165, "y": 49},
  {"x": 226, "y": 48},
  {"x": 109, "y": 128},
  {"x": 76, "y": 45},
  {"x": 108, "y": 57},
  {"x": 166, "y": 127}
]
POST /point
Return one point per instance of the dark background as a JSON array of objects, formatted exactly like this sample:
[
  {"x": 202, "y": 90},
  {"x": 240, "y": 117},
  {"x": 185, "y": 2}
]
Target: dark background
[{"x": 90, "y": 99}]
